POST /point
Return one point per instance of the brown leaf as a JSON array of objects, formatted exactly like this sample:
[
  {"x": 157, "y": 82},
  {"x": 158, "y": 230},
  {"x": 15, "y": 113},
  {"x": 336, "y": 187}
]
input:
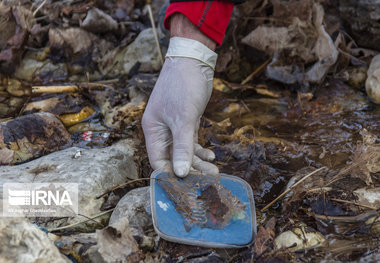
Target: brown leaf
[
  {"x": 15, "y": 23},
  {"x": 78, "y": 40},
  {"x": 265, "y": 238},
  {"x": 286, "y": 10},
  {"x": 18, "y": 39}
]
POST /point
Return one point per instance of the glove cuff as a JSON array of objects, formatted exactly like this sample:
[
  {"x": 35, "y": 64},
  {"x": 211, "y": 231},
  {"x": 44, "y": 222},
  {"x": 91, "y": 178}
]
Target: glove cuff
[{"x": 189, "y": 48}]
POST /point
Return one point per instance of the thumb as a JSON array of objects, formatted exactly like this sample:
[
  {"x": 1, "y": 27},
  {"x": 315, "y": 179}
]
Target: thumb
[{"x": 183, "y": 150}]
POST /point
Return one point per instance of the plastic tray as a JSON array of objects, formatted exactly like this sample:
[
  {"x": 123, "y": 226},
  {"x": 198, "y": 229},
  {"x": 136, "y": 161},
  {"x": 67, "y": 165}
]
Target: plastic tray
[{"x": 198, "y": 225}]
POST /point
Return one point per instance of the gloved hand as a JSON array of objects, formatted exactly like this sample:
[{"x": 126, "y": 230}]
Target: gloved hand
[{"x": 179, "y": 98}]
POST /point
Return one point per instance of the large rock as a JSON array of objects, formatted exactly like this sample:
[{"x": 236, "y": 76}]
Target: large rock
[
  {"x": 95, "y": 170},
  {"x": 23, "y": 242},
  {"x": 31, "y": 136},
  {"x": 372, "y": 84},
  {"x": 31, "y": 69},
  {"x": 116, "y": 243},
  {"x": 363, "y": 18},
  {"x": 143, "y": 50},
  {"x": 111, "y": 244},
  {"x": 135, "y": 207}
]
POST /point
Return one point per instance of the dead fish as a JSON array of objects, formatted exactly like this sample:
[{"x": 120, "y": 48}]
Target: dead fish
[{"x": 202, "y": 201}]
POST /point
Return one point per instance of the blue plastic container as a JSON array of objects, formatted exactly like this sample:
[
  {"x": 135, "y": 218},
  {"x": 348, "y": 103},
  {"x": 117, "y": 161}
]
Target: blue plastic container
[{"x": 192, "y": 213}]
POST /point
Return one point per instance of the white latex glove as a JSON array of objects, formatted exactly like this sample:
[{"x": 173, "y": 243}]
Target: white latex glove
[{"x": 179, "y": 98}]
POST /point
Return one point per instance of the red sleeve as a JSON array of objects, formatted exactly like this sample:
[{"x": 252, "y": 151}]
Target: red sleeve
[{"x": 211, "y": 17}]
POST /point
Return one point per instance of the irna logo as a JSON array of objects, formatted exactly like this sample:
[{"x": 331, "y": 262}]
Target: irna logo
[{"x": 39, "y": 197}]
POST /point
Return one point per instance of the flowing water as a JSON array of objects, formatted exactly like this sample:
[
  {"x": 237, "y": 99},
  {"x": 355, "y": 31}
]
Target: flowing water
[{"x": 280, "y": 136}]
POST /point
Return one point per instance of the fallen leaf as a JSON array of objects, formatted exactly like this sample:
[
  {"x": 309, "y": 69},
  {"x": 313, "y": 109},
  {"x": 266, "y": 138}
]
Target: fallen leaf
[{"x": 265, "y": 238}]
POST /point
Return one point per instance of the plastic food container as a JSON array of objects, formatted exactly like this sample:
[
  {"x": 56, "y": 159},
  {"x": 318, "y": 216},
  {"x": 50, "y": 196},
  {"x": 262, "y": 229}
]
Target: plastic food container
[{"x": 203, "y": 210}]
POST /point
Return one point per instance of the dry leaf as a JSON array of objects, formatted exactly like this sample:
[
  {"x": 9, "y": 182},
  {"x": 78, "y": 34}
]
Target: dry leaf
[{"x": 265, "y": 238}]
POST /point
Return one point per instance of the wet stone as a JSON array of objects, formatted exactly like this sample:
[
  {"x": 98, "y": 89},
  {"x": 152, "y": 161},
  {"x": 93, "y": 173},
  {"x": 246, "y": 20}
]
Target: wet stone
[
  {"x": 135, "y": 206},
  {"x": 31, "y": 136},
  {"x": 94, "y": 170},
  {"x": 372, "y": 84},
  {"x": 23, "y": 242}
]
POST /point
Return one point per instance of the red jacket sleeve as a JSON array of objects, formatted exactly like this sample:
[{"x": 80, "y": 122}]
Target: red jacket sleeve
[{"x": 211, "y": 17}]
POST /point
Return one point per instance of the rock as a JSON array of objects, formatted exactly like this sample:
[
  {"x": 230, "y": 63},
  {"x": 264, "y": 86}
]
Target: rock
[
  {"x": 15, "y": 87},
  {"x": 135, "y": 206},
  {"x": 116, "y": 243},
  {"x": 92, "y": 255},
  {"x": 28, "y": 69},
  {"x": 96, "y": 247},
  {"x": 35, "y": 68},
  {"x": 10, "y": 106},
  {"x": 372, "y": 84},
  {"x": 362, "y": 17},
  {"x": 23, "y": 242},
  {"x": 97, "y": 21},
  {"x": 298, "y": 238},
  {"x": 357, "y": 77},
  {"x": 142, "y": 50},
  {"x": 95, "y": 170},
  {"x": 59, "y": 104},
  {"x": 31, "y": 136},
  {"x": 51, "y": 72},
  {"x": 374, "y": 224},
  {"x": 370, "y": 196}
]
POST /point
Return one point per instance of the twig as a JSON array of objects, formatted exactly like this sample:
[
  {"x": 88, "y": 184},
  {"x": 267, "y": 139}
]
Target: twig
[
  {"x": 347, "y": 219},
  {"x": 98, "y": 84},
  {"x": 81, "y": 222},
  {"x": 123, "y": 185},
  {"x": 23, "y": 107},
  {"x": 245, "y": 106},
  {"x": 257, "y": 71},
  {"x": 38, "y": 19},
  {"x": 107, "y": 81},
  {"x": 39, "y": 7},
  {"x": 291, "y": 188},
  {"x": 353, "y": 203},
  {"x": 318, "y": 189},
  {"x": 155, "y": 32},
  {"x": 6, "y": 119},
  {"x": 75, "y": 88},
  {"x": 54, "y": 89}
]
